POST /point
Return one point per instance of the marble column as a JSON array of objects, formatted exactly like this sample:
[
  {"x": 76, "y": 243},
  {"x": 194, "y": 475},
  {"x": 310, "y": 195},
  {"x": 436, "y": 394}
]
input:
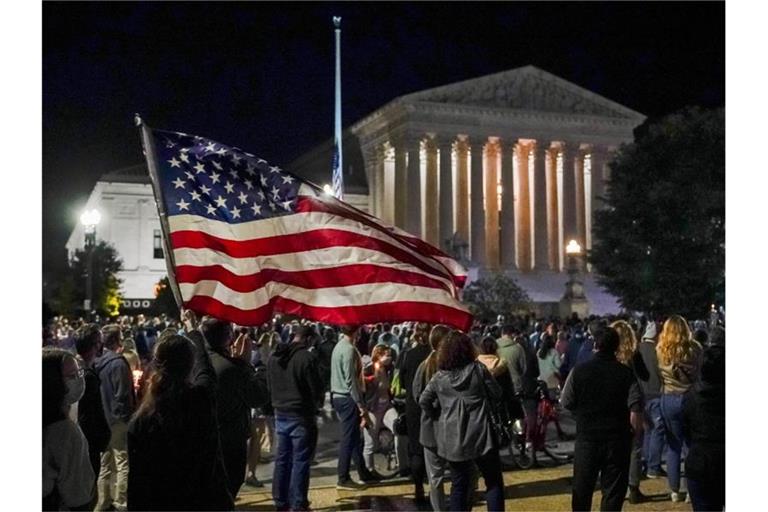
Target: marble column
[
  {"x": 507, "y": 149},
  {"x": 540, "y": 227},
  {"x": 491, "y": 205},
  {"x": 570, "y": 153},
  {"x": 462, "y": 189},
  {"x": 524, "y": 207},
  {"x": 431, "y": 205},
  {"x": 553, "y": 229},
  {"x": 579, "y": 200},
  {"x": 371, "y": 159},
  {"x": 446, "y": 191},
  {"x": 413, "y": 191},
  {"x": 401, "y": 185},
  {"x": 477, "y": 219}
]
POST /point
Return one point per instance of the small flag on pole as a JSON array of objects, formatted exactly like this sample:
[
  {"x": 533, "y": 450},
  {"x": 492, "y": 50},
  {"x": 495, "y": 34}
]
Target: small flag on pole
[{"x": 248, "y": 239}]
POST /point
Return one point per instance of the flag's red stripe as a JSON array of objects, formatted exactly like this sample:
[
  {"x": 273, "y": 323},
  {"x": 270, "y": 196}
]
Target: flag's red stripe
[
  {"x": 311, "y": 204},
  {"x": 346, "y": 275},
  {"x": 295, "y": 242},
  {"x": 394, "y": 312}
]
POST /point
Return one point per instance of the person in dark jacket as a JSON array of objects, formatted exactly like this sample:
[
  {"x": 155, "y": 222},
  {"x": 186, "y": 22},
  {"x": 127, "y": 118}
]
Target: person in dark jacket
[
  {"x": 464, "y": 391},
  {"x": 173, "y": 441},
  {"x": 239, "y": 389},
  {"x": 654, "y": 437},
  {"x": 295, "y": 389},
  {"x": 324, "y": 354},
  {"x": 410, "y": 363},
  {"x": 704, "y": 427},
  {"x": 90, "y": 411},
  {"x": 607, "y": 402},
  {"x": 119, "y": 402}
]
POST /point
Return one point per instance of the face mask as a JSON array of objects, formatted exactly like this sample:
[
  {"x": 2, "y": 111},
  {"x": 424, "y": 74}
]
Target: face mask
[{"x": 75, "y": 390}]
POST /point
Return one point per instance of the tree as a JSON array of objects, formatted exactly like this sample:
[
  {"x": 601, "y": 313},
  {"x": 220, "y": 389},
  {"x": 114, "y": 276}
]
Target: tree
[
  {"x": 495, "y": 294},
  {"x": 659, "y": 244},
  {"x": 164, "y": 300},
  {"x": 106, "y": 285}
]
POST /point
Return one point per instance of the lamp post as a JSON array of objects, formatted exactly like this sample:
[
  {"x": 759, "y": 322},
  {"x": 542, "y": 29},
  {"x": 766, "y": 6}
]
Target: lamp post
[
  {"x": 89, "y": 219},
  {"x": 574, "y": 300}
]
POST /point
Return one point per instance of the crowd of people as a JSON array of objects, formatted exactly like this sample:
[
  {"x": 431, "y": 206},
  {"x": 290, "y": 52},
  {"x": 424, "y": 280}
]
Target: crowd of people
[{"x": 165, "y": 414}]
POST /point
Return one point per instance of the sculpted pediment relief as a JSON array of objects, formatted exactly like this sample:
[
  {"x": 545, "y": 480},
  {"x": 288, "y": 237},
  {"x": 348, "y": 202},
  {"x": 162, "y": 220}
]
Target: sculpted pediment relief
[{"x": 526, "y": 88}]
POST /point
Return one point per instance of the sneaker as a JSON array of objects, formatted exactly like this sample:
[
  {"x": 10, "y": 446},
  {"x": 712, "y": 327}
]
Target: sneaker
[
  {"x": 676, "y": 497},
  {"x": 253, "y": 481},
  {"x": 656, "y": 474},
  {"x": 371, "y": 477},
  {"x": 687, "y": 497},
  {"x": 351, "y": 485}
]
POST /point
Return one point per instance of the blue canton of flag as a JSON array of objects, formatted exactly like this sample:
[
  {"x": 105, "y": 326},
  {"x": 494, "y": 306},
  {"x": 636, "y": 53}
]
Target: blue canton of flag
[{"x": 201, "y": 177}]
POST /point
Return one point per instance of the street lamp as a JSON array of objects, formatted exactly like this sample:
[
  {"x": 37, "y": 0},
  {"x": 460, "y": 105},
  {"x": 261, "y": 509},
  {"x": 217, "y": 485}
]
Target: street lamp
[
  {"x": 327, "y": 189},
  {"x": 89, "y": 219},
  {"x": 574, "y": 300}
]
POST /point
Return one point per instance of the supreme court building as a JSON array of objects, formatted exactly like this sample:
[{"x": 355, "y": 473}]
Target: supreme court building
[{"x": 509, "y": 165}]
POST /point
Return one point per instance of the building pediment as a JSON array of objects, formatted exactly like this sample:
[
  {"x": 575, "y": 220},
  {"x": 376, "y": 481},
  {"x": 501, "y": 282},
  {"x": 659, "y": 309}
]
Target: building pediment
[{"x": 527, "y": 88}]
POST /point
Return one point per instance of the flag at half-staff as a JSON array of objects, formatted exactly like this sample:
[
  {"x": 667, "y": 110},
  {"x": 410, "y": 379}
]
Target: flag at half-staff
[{"x": 247, "y": 239}]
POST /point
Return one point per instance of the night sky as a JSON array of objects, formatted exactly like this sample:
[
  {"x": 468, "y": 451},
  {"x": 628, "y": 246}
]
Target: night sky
[{"x": 260, "y": 76}]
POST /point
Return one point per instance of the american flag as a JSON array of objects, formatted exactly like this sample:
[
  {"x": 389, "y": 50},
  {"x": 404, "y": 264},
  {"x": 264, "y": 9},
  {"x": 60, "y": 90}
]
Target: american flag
[
  {"x": 249, "y": 239},
  {"x": 338, "y": 178}
]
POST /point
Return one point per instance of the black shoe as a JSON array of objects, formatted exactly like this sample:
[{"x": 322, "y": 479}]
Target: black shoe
[
  {"x": 635, "y": 496},
  {"x": 370, "y": 477}
]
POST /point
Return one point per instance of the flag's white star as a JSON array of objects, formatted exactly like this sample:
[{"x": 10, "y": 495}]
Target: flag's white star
[
  {"x": 210, "y": 147},
  {"x": 196, "y": 196},
  {"x": 263, "y": 180},
  {"x": 174, "y": 162},
  {"x": 178, "y": 183},
  {"x": 199, "y": 168},
  {"x": 215, "y": 177},
  {"x": 243, "y": 198},
  {"x": 217, "y": 165},
  {"x": 256, "y": 209},
  {"x": 261, "y": 194},
  {"x": 236, "y": 158},
  {"x": 205, "y": 190},
  {"x": 250, "y": 169},
  {"x": 273, "y": 206},
  {"x": 233, "y": 173},
  {"x": 230, "y": 188},
  {"x": 275, "y": 193},
  {"x": 211, "y": 209},
  {"x": 183, "y": 155},
  {"x": 183, "y": 205},
  {"x": 274, "y": 169},
  {"x": 221, "y": 151},
  {"x": 248, "y": 184},
  {"x": 287, "y": 179},
  {"x": 235, "y": 213},
  {"x": 286, "y": 205},
  {"x": 189, "y": 175},
  {"x": 169, "y": 143},
  {"x": 221, "y": 202}
]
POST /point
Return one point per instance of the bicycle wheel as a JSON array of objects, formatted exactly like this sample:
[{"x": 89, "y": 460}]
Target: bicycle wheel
[{"x": 523, "y": 458}]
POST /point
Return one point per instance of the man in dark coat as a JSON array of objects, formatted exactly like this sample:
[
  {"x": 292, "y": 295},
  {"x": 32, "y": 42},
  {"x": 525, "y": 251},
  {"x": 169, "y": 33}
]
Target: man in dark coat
[
  {"x": 240, "y": 388},
  {"x": 602, "y": 392}
]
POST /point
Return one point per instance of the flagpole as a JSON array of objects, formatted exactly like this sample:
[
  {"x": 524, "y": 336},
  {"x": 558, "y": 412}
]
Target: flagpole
[
  {"x": 338, "y": 171},
  {"x": 149, "y": 154}
]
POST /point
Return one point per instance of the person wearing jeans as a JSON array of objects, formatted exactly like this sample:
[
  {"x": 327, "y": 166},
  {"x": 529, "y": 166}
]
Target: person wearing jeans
[
  {"x": 654, "y": 438},
  {"x": 295, "y": 388}
]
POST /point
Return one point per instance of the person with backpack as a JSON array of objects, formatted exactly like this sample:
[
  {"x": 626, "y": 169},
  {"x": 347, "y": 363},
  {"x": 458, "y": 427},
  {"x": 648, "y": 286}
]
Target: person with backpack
[{"x": 119, "y": 401}]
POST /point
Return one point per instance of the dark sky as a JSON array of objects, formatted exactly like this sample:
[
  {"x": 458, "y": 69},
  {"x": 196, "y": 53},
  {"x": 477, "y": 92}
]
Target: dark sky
[{"x": 260, "y": 75}]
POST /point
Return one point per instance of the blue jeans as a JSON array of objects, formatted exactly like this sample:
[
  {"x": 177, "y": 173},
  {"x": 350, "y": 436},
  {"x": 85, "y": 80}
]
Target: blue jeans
[
  {"x": 350, "y": 444},
  {"x": 672, "y": 413},
  {"x": 461, "y": 481},
  {"x": 653, "y": 439},
  {"x": 296, "y": 440}
]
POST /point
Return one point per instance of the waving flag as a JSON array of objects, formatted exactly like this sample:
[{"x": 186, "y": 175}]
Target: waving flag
[{"x": 248, "y": 239}]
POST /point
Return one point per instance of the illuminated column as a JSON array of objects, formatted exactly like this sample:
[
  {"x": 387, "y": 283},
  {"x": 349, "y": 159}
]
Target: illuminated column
[
  {"x": 568, "y": 204},
  {"x": 446, "y": 191},
  {"x": 506, "y": 150},
  {"x": 387, "y": 184},
  {"x": 371, "y": 160},
  {"x": 553, "y": 228},
  {"x": 477, "y": 220},
  {"x": 431, "y": 205},
  {"x": 579, "y": 200},
  {"x": 491, "y": 183},
  {"x": 523, "y": 207},
  {"x": 400, "y": 199},
  {"x": 462, "y": 188},
  {"x": 540, "y": 227},
  {"x": 413, "y": 192}
]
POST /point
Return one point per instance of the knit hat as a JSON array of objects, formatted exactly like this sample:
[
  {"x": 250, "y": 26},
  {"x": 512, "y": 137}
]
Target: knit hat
[{"x": 650, "y": 331}]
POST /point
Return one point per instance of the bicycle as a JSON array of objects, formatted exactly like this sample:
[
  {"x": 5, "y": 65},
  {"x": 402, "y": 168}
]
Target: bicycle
[{"x": 547, "y": 413}]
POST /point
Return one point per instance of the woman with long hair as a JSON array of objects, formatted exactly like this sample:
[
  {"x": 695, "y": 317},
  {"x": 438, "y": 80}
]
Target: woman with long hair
[
  {"x": 68, "y": 478},
  {"x": 679, "y": 358},
  {"x": 173, "y": 440},
  {"x": 436, "y": 465},
  {"x": 549, "y": 363},
  {"x": 628, "y": 355},
  {"x": 460, "y": 394},
  {"x": 381, "y": 411}
]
